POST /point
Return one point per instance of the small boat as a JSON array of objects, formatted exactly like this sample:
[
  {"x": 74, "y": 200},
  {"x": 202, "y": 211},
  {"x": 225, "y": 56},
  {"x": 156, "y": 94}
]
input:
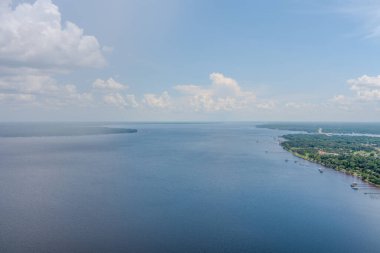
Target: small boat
[
  {"x": 320, "y": 170},
  {"x": 286, "y": 160},
  {"x": 354, "y": 186}
]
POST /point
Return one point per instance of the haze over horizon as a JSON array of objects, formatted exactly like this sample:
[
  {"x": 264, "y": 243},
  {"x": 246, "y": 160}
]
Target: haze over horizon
[{"x": 189, "y": 60}]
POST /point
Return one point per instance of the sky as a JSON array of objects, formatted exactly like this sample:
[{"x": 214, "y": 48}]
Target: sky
[{"x": 189, "y": 60}]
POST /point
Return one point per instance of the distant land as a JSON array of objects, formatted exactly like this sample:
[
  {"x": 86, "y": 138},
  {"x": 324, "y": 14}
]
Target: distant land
[
  {"x": 336, "y": 128},
  {"x": 352, "y": 154},
  {"x": 57, "y": 129}
]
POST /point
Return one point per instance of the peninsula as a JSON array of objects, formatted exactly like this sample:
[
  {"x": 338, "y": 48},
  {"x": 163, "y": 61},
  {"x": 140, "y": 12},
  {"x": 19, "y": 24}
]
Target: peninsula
[
  {"x": 59, "y": 129},
  {"x": 353, "y": 154}
]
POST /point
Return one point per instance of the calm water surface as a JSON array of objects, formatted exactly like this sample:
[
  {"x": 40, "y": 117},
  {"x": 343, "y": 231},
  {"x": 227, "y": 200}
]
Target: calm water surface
[{"x": 177, "y": 188}]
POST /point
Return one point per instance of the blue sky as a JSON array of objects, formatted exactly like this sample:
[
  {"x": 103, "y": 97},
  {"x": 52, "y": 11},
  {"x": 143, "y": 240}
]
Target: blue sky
[{"x": 190, "y": 60}]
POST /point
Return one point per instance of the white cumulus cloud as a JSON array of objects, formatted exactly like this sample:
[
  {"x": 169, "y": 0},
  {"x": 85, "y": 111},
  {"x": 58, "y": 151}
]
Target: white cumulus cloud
[
  {"x": 157, "y": 101},
  {"x": 34, "y": 46},
  {"x": 224, "y": 94},
  {"x": 366, "y": 94},
  {"x": 366, "y": 87},
  {"x": 32, "y": 35},
  {"x": 40, "y": 88}
]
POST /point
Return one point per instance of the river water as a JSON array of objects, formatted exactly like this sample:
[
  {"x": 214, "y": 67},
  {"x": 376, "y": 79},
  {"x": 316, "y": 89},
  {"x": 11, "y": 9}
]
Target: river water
[{"x": 220, "y": 187}]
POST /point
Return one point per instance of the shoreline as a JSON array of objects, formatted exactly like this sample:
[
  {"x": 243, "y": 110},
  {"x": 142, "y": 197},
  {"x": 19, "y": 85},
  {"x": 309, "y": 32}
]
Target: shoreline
[{"x": 345, "y": 171}]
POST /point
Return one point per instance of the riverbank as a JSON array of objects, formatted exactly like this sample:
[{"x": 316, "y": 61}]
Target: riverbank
[
  {"x": 340, "y": 170},
  {"x": 347, "y": 158}
]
